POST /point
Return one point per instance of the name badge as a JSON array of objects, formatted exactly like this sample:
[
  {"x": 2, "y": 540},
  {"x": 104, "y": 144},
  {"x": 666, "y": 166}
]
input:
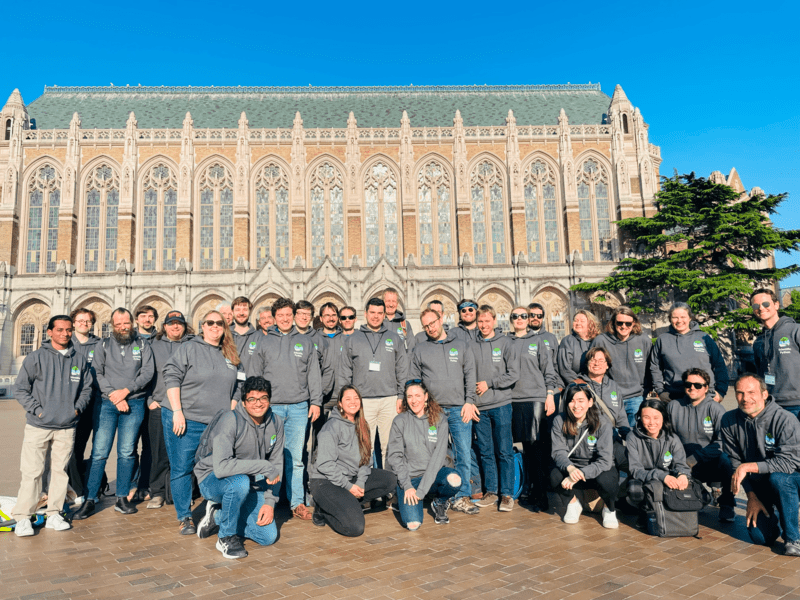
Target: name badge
[
  {"x": 374, "y": 365},
  {"x": 769, "y": 379},
  {"x": 241, "y": 376}
]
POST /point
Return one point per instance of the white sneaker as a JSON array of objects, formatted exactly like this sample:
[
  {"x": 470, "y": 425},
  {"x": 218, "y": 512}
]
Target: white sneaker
[
  {"x": 57, "y": 522},
  {"x": 610, "y": 519},
  {"x": 78, "y": 501},
  {"x": 23, "y": 528},
  {"x": 574, "y": 510}
]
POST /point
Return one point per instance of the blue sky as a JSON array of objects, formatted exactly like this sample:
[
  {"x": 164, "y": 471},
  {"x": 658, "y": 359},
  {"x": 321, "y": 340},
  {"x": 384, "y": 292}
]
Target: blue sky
[{"x": 716, "y": 81}]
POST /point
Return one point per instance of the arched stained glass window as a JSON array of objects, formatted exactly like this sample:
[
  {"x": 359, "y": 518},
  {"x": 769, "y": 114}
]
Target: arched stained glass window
[
  {"x": 44, "y": 199},
  {"x": 272, "y": 215},
  {"x": 216, "y": 218},
  {"x": 488, "y": 214},
  {"x": 159, "y": 219},
  {"x": 595, "y": 213},
  {"x": 541, "y": 213},
  {"x": 327, "y": 214},
  {"x": 382, "y": 217},
  {"x": 102, "y": 212},
  {"x": 435, "y": 216}
]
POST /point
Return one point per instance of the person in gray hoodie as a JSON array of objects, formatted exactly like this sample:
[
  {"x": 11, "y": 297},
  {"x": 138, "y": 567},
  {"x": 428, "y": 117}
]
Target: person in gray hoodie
[
  {"x": 417, "y": 450},
  {"x": 536, "y": 316},
  {"x": 532, "y": 401},
  {"x": 242, "y": 462},
  {"x": 245, "y": 336},
  {"x": 467, "y": 328},
  {"x": 396, "y": 321},
  {"x": 763, "y": 443},
  {"x": 629, "y": 349},
  {"x": 54, "y": 386},
  {"x": 571, "y": 355},
  {"x": 697, "y": 418},
  {"x": 777, "y": 351},
  {"x": 341, "y": 476},
  {"x": 124, "y": 367},
  {"x": 583, "y": 455},
  {"x": 497, "y": 370},
  {"x": 682, "y": 348},
  {"x": 375, "y": 361}
]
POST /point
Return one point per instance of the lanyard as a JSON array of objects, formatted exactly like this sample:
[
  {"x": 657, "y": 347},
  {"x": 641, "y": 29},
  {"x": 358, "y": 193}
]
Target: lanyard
[{"x": 375, "y": 349}]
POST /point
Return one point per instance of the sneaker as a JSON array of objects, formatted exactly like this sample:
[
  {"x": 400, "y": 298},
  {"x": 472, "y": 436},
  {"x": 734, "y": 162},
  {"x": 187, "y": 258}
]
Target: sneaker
[
  {"x": 465, "y": 506},
  {"x": 727, "y": 514},
  {"x": 610, "y": 519},
  {"x": 156, "y": 502},
  {"x": 208, "y": 525},
  {"x": 23, "y": 528},
  {"x": 78, "y": 501},
  {"x": 488, "y": 499},
  {"x": 574, "y": 510},
  {"x": 317, "y": 518},
  {"x": 231, "y": 547},
  {"x": 791, "y": 549},
  {"x": 439, "y": 508},
  {"x": 86, "y": 510},
  {"x": 125, "y": 506},
  {"x": 506, "y": 504},
  {"x": 57, "y": 522},
  {"x": 187, "y": 526}
]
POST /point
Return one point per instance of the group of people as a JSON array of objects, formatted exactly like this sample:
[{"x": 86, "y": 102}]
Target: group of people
[{"x": 336, "y": 418}]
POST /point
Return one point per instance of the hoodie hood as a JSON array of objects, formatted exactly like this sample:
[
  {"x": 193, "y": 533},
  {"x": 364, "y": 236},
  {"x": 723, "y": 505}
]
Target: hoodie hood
[{"x": 674, "y": 353}]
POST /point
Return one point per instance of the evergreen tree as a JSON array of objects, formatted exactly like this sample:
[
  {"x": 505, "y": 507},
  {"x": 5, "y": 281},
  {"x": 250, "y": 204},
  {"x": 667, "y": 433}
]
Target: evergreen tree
[
  {"x": 696, "y": 249},
  {"x": 793, "y": 310}
]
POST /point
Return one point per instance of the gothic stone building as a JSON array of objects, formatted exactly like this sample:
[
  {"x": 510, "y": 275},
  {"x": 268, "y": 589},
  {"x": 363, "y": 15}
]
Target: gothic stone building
[{"x": 184, "y": 197}]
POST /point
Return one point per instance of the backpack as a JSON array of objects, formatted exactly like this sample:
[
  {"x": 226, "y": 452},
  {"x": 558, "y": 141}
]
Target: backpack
[
  {"x": 204, "y": 447},
  {"x": 673, "y": 513},
  {"x": 520, "y": 479}
]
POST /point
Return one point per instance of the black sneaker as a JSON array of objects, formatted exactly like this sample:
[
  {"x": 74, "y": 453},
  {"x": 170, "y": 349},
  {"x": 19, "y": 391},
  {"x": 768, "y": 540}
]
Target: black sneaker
[
  {"x": 439, "y": 508},
  {"x": 208, "y": 525},
  {"x": 85, "y": 511},
  {"x": 125, "y": 506},
  {"x": 317, "y": 518},
  {"x": 187, "y": 526},
  {"x": 231, "y": 547}
]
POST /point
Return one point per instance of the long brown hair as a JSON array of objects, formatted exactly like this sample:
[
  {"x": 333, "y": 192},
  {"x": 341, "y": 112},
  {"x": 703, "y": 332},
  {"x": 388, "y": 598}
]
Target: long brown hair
[
  {"x": 226, "y": 344},
  {"x": 570, "y": 427},
  {"x": 611, "y": 326},
  {"x": 362, "y": 429},
  {"x": 433, "y": 411}
]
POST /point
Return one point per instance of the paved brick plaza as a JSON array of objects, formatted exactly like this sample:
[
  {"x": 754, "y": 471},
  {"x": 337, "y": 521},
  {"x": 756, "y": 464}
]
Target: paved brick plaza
[{"x": 494, "y": 555}]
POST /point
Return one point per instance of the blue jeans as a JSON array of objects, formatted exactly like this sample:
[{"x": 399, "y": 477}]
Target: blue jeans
[
  {"x": 795, "y": 410},
  {"x": 295, "y": 422},
  {"x": 240, "y": 506},
  {"x": 440, "y": 490},
  {"x": 461, "y": 434},
  {"x": 785, "y": 489},
  {"x": 180, "y": 450},
  {"x": 631, "y": 408},
  {"x": 107, "y": 420},
  {"x": 495, "y": 445}
]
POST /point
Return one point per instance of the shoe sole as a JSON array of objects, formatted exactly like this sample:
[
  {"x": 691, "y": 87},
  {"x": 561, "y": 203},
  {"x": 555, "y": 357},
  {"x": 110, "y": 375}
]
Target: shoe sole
[
  {"x": 506, "y": 509},
  {"x": 229, "y": 556},
  {"x": 24, "y": 534},
  {"x": 125, "y": 512},
  {"x": 203, "y": 529}
]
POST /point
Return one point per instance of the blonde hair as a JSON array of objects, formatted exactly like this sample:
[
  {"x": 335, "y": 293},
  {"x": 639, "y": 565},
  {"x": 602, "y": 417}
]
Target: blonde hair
[
  {"x": 594, "y": 323},
  {"x": 226, "y": 344},
  {"x": 485, "y": 308}
]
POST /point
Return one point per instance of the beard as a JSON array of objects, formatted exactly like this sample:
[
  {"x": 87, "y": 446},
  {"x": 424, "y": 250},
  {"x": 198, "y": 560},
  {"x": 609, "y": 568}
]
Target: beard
[{"x": 122, "y": 338}]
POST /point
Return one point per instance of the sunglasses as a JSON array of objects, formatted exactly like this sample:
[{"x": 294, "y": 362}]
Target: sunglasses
[
  {"x": 693, "y": 384},
  {"x": 537, "y": 315},
  {"x": 411, "y": 382},
  {"x": 519, "y": 316},
  {"x": 211, "y": 323},
  {"x": 766, "y": 304},
  {"x": 623, "y": 323},
  {"x": 347, "y": 318},
  {"x": 468, "y": 309}
]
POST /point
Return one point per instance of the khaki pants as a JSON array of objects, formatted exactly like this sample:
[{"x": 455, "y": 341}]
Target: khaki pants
[
  {"x": 35, "y": 444},
  {"x": 379, "y": 413}
]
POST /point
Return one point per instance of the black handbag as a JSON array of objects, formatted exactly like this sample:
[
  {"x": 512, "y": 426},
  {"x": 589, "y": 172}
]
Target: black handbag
[{"x": 673, "y": 513}]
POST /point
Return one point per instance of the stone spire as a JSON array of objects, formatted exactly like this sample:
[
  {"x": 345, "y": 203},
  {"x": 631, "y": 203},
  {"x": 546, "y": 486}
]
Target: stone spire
[
  {"x": 186, "y": 163},
  {"x": 298, "y": 157},
  {"x": 242, "y": 162},
  {"x": 352, "y": 155},
  {"x": 406, "y": 157},
  {"x": 460, "y": 158}
]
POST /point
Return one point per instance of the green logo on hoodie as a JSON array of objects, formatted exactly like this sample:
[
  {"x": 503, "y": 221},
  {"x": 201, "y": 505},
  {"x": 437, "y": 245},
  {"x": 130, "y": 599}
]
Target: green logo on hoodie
[
  {"x": 74, "y": 374},
  {"x": 272, "y": 439}
]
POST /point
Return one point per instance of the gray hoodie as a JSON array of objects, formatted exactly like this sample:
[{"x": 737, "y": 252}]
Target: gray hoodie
[
  {"x": 571, "y": 357},
  {"x": 777, "y": 352},
  {"x": 417, "y": 449},
  {"x": 629, "y": 362},
  {"x": 338, "y": 456},
  {"x": 240, "y": 447},
  {"x": 327, "y": 374},
  {"x": 608, "y": 393},
  {"x": 447, "y": 368},
  {"x": 246, "y": 344},
  {"x": 128, "y": 366},
  {"x": 162, "y": 350},
  {"x": 697, "y": 427},
  {"x": 771, "y": 440},
  {"x": 536, "y": 372},
  {"x": 290, "y": 363},
  {"x": 402, "y": 327},
  {"x": 87, "y": 350},
  {"x": 462, "y": 333},
  {"x": 550, "y": 340},
  {"x": 674, "y": 353},
  {"x": 650, "y": 458},
  {"x": 497, "y": 364},
  {"x": 367, "y": 350},
  {"x": 53, "y": 387},
  {"x": 208, "y": 381},
  {"x": 595, "y": 453}
]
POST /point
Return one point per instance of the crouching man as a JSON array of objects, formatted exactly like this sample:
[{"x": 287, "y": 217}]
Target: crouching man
[
  {"x": 763, "y": 443},
  {"x": 239, "y": 463}
]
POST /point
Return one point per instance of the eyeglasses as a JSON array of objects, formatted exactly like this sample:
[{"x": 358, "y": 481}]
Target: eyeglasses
[
  {"x": 623, "y": 323},
  {"x": 211, "y": 323},
  {"x": 693, "y": 384},
  {"x": 766, "y": 304},
  {"x": 347, "y": 318},
  {"x": 467, "y": 309},
  {"x": 429, "y": 325},
  {"x": 258, "y": 400},
  {"x": 536, "y": 315},
  {"x": 518, "y": 316},
  {"x": 82, "y": 322}
]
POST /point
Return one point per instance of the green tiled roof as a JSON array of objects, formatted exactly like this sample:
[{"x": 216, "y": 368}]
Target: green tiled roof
[{"x": 272, "y": 107}]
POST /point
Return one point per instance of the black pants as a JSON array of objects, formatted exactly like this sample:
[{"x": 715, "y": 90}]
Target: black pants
[
  {"x": 531, "y": 427},
  {"x": 159, "y": 460},
  {"x": 76, "y": 469},
  {"x": 606, "y": 484},
  {"x": 717, "y": 472},
  {"x": 342, "y": 510}
]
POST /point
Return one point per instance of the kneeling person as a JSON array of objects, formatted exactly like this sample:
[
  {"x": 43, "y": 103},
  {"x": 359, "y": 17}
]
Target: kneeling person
[{"x": 243, "y": 457}]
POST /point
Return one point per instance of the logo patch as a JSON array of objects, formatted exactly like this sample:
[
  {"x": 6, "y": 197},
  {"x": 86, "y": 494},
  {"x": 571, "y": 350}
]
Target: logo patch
[
  {"x": 496, "y": 354},
  {"x": 453, "y": 355},
  {"x": 136, "y": 353},
  {"x": 769, "y": 441},
  {"x": 638, "y": 354},
  {"x": 592, "y": 441},
  {"x": 389, "y": 345},
  {"x": 433, "y": 434},
  {"x": 533, "y": 349},
  {"x": 546, "y": 342},
  {"x": 708, "y": 425},
  {"x": 74, "y": 374},
  {"x": 298, "y": 350},
  {"x": 699, "y": 346},
  {"x": 667, "y": 458},
  {"x": 91, "y": 356},
  {"x": 614, "y": 399},
  {"x": 272, "y": 440},
  {"x": 230, "y": 364},
  {"x": 784, "y": 346},
  {"x": 251, "y": 347}
]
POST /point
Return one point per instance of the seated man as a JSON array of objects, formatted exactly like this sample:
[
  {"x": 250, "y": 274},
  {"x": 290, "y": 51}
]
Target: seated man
[
  {"x": 763, "y": 443},
  {"x": 696, "y": 418},
  {"x": 240, "y": 455}
]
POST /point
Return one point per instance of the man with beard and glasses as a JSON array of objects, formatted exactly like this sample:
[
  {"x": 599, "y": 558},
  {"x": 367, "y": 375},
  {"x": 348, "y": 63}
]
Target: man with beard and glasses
[
  {"x": 245, "y": 335},
  {"x": 124, "y": 366}
]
